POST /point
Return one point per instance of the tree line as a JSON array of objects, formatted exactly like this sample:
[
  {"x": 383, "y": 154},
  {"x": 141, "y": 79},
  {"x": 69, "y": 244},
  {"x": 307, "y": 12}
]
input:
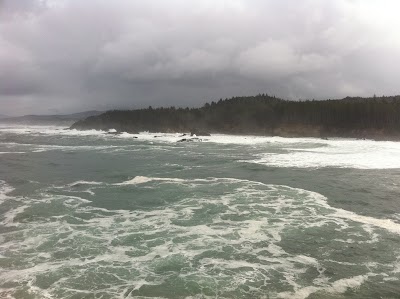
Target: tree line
[{"x": 263, "y": 115}]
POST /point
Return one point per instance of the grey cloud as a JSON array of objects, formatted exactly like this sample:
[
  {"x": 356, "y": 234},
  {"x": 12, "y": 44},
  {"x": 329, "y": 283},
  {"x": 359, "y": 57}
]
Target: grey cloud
[
  {"x": 278, "y": 59},
  {"x": 98, "y": 54}
]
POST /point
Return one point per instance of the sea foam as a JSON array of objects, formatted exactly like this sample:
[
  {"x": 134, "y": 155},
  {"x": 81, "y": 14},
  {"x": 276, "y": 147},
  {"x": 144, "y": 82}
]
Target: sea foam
[
  {"x": 293, "y": 152},
  {"x": 4, "y": 190},
  {"x": 233, "y": 237},
  {"x": 361, "y": 154}
]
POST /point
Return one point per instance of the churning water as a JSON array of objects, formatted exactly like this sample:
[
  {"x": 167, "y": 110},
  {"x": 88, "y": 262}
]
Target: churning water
[{"x": 95, "y": 215}]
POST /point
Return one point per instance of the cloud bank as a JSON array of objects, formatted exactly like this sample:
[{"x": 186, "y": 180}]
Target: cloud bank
[{"x": 70, "y": 55}]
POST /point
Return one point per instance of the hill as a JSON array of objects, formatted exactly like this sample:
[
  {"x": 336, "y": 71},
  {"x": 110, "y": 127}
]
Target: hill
[
  {"x": 61, "y": 119},
  {"x": 356, "y": 117}
]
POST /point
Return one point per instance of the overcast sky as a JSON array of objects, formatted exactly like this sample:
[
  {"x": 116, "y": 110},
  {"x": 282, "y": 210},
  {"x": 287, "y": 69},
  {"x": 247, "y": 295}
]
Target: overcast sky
[{"x": 65, "y": 56}]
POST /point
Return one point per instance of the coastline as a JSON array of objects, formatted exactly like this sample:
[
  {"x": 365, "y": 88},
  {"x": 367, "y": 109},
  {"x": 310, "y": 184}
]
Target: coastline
[
  {"x": 187, "y": 134},
  {"x": 293, "y": 132},
  {"x": 263, "y": 115}
]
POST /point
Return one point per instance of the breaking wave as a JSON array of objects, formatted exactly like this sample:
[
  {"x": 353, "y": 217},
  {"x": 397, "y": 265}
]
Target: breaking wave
[{"x": 237, "y": 239}]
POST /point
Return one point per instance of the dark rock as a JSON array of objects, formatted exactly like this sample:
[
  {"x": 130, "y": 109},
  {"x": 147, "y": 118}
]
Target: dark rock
[
  {"x": 189, "y": 139},
  {"x": 134, "y": 137}
]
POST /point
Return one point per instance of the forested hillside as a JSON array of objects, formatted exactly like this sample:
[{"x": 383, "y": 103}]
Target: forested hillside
[{"x": 376, "y": 117}]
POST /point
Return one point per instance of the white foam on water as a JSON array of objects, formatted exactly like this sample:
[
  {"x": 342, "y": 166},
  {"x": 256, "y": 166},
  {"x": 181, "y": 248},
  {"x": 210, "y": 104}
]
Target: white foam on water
[
  {"x": 219, "y": 138},
  {"x": 141, "y": 180},
  {"x": 8, "y": 217},
  {"x": 302, "y": 293},
  {"x": 48, "y": 130},
  {"x": 337, "y": 287},
  {"x": 297, "y": 152},
  {"x": 4, "y": 190},
  {"x": 341, "y": 285},
  {"x": 186, "y": 229},
  {"x": 144, "y": 179},
  {"x": 77, "y": 183},
  {"x": 89, "y": 191},
  {"x": 39, "y": 148},
  {"x": 361, "y": 154},
  {"x": 2, "y": 153},
  {"x": 147, "y": 136},
  {"x": 386, "y": 224}
]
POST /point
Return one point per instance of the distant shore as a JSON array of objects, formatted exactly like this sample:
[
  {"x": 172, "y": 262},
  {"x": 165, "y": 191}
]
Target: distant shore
[
  {"x": 263, "y": 115},
  {"x": 188, "y": 135}
]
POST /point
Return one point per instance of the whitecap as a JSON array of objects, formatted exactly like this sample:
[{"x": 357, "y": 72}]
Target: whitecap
[
  {"x": 2, "y": 153},
  {"x": 266, "y": 211},
  {"x": 4, "y": 190},
  {"x": 337, "y": 287},
  {"x": 361, "y": 154},
  {"x": 317, "y": 198},
  {"x": 77, "y": 183},
  {"x": 144, "y": 179}
]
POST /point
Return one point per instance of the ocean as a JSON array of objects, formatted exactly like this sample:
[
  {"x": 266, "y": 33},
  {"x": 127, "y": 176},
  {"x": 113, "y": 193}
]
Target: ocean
[{"x": 88, "y": 214}]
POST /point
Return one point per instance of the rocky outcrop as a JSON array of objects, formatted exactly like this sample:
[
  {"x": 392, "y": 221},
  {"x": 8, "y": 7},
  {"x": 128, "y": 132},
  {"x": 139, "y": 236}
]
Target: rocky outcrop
[{"x": 190, "y": 140}]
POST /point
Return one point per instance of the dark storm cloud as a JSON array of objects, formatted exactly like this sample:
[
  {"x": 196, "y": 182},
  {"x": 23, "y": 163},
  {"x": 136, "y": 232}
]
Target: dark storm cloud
[{"x": 74, "y": 55}]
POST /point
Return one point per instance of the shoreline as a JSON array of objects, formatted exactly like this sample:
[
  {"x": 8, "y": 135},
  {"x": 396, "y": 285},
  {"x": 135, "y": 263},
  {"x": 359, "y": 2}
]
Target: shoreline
[
  {"x": 106, "y": 132},
  {"x": 187, "y": 134}
]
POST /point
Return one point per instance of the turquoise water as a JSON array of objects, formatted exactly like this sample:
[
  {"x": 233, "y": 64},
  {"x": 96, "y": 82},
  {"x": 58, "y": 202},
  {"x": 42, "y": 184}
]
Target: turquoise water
[{"x": 95, "y": 215}]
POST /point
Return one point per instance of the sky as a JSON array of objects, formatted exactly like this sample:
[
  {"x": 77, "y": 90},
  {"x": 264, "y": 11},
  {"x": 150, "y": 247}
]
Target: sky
[{"x": 64, "y": 56}]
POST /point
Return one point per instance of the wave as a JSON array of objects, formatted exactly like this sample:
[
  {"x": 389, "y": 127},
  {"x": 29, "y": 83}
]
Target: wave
[
  {"x": 4, "y": 190},
  {"x": 39, "y": 148},
  {"x": 241, "y": 234},
  {"x": 47, "y": 130},
  {"x": 275, "y": 151},
  {"x": 272, "y": 151},
  {"x": 143, "y": 179},
  {"x": 2, "y": 153},
  {"x": 358, "y": 154},
  {"x": 337, "y": 287},
  {"x": 319, "y": 199},
  {"x": 79, "y": 183}
]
